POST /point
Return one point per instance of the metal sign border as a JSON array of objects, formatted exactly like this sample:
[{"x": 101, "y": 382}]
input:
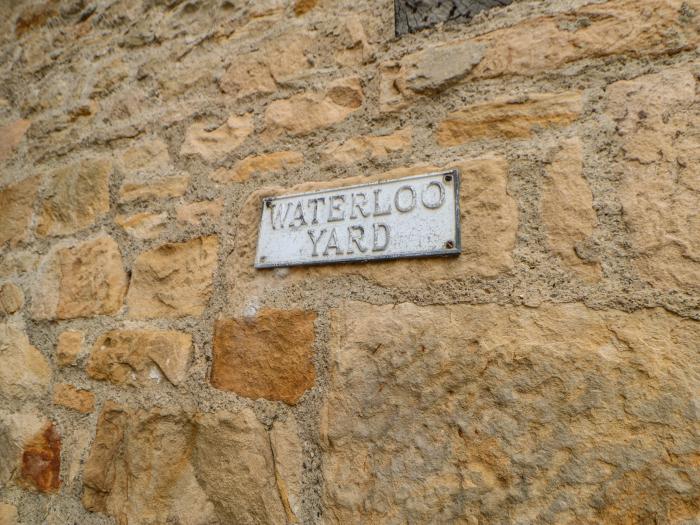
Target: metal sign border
[{"x": 445, "y": 252}]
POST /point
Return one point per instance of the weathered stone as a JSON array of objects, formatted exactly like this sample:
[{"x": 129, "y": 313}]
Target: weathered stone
[
  {"x": 173, "y": 280},
  {"x": 41, "y": 461},
  {"x": 25, "y": 372},
  {"x": 16, "y": 430},
  {"x": 301, "y": 7},
  {"x": 10, "y": 137},
  {"x": 8, "y": 514},
  {"x": 153, "y": 188},
  {"x": 18, "y": 262},
  {"x": 509, "y": 118},
  {"x": 436, "y": 68},
  {"x": 212, "y": 468},
  {"x": 16, "y": 203},
  {"x": 567, "y": 209},
  {"x": 34, "y": 16},
  {"x": 357, "y": 49},
  {"x": 269, "y": 355},
  {"x": 77, "y": 196},
  {"x": 147, "y": 156},
  {"x": 391, "y": 97},
  {"x": 11, "y": 298},
  {"x": 658, "y": 131},
  {"x": 488, "y": 214},
  {"x": 140, "y": 357},
  {"x": 216, "y": 143},
  {"x": 144, "y": 225},
  {"x": 561, "y": 414},
  {"x": 69, "y": 346},
  {"x": 411, "y": 16},
  {"x": 68, "y": 396},
  {"x": 201, "y": 212},
  {"x": 288, "y": 455},
  {"x": 372, "y": 147},
  {"x": 82, "y": 280},
  {"x": 307, "y": 112},
  {"x": 266, "y": 164},
  {"x": 277, "y": 61}
]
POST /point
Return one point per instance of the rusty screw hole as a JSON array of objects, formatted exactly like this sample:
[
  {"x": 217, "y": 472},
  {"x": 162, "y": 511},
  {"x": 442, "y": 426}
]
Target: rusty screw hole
[
  {"x": 449, "y": 245},
  {"x": 448, "y": 178}
]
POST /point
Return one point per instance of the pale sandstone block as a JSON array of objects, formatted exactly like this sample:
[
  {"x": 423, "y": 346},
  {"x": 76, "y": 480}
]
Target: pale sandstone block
[
  {"x": 150, "y": 155},
  {"x": 11, "y": 136},
  {"x": 138, "y": 189},
  {"x": 288, "y": 455},
  {"x": 11, "y": 298},
  {"x": 16, "y": 430},
  {"x": 509, "y": 118},
  {"x": 567, "y": 209},
  {"x": 140, "y": 357},
  {"x": 439, "y": 413},
  {"x": 268, "y": 356},
  {"x": 173, "y": 280},
  {"x": 25, "y": 373},
  {"x": 77, "y": 399},
  {"x": 372, "y": 147},
  {"x": 81, "y": 280},
  {"x": 8, "y": 514},
  {"x": 144, "y": 225},
  {"x": 307, "y": 112},
  {"x": 214, "y": 144},
  {"x": 658, "y": 130},
  {"x": 201, "y": 212},
  {"x": 16, "y": 209},
  {"x": 489, "y": 221},
  {"x": 77, "y": 196},
  {"x": 69, "y": 346},
  {"x": 255, "y": 165}
]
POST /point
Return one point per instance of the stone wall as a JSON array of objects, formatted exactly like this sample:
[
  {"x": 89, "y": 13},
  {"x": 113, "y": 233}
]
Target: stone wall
[{"x": 149, "y": 374}]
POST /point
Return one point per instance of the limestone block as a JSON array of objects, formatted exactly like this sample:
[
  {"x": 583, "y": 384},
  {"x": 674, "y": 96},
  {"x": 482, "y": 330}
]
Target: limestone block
[
  {"x": 658, "y": 130},
  {"x": 11, "y": 298},
  {"x": 11, "y": 136},
  {"x": 560, "y": 413},
  {"x": 77, "y": 399},
  {"x": 17, "y": 430},
  {"x": 200, "y": 212},
  {"x": 68, "y": 347},
  {"x": 150, "y": 155},
  {"x": 288, "y": 454},
  {"x": 8, "y": 514},
  {"x": 152, "y": 188},
  {"x": 307, "y": 112},
  {"x": 373, "y": 147},
  {"x": 25, "y": 373},
  {"x": 16, "y": 203},
  {"x": 267, "y": 164},
  {"x": 143, "y": 225},
  {"x": 489, "y": 221},
  {"x": 210, "y": 468},
  {"x": 567, "y": 209},
  {"x": 140, "y": 357},
  {"x": 81, "y": 280},
  {"x": 216, "y": 143},
  {"x": 269, "y": 355},
  {"x": 77, "y": 196},
  {"x": 173, "y": 280},
  {"x": 509, "y": 118}
]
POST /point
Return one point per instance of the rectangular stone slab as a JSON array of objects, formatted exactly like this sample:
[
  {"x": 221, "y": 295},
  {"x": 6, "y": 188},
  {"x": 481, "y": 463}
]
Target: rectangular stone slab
[{"x": 410, "y": 217}]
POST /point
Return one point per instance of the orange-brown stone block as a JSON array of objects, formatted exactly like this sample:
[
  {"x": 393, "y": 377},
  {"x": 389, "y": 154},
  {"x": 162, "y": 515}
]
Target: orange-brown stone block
[
  {"x": 77, "y": 399},
  {"x": 41, "y": 461},
  {"x": 266, "y": 356}
]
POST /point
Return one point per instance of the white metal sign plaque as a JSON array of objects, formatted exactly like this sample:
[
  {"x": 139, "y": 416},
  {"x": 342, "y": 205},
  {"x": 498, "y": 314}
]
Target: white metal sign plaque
[{"x": 409, "y": 217}]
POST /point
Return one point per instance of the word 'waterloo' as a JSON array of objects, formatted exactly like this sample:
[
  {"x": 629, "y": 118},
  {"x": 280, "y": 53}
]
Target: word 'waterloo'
[{"x": 411, "y": 217}]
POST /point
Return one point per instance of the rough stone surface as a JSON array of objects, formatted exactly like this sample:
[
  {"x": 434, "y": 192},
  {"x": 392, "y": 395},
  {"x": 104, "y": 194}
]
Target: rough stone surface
[
  {"x": 488, "y": 213},
  {"x": 25, "y": 373},
  {"x": 215, "y": 143},
  {"x": 77, "y": 196},
  {"x": 16, "y": 202},
  {"x": 268, "y": 164},
  {"x": 68, "y": 347},
  {"x": 216, "y": 468},
  {"x": 140, "y": 357},
  {"x": 153, "y": 188},
  {"x": 16, "y": 429},
  {"x": 267, "y": 356},
  {"x": 287, "y": 451},
  {"x": 411, "y": 16},
  {"x": 77, "y": 399},
  {"x": 10, "y": 137},
  {"x": 567, "y": 209},
  {"x": 511, "y": 118},
  {"x": 373, "y": 147},
  {"x": 144, "y": 225},
  {"x": 173, "y": 280},
  {"x": 8, "y": 514},
  {"x": 41, "y": 461},
  {"x": 200, "y": 213},
  {"x": 11, "y": 298},
  {"x": 81, "y": 280},
  {"x": 658, "y": 130},
  {"x": 308, "y": 112},
  {"x": 495, "y": 411}
]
